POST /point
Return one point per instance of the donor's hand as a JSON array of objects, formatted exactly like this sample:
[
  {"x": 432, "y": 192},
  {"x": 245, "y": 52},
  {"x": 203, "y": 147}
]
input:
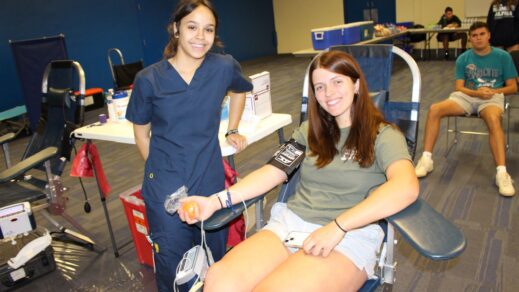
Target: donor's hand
[
  {"x": 237, "y": 141},
  {"x": 197, "y": 208},
  {"x": 485, "y": 92}
]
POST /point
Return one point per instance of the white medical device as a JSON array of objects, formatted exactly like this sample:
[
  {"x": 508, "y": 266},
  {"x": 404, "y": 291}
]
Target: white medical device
[{"x": 16, "y": 219}]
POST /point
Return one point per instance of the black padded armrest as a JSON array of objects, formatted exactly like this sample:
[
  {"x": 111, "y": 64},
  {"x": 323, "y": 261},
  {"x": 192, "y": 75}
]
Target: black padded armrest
[
  {"x": 27, "y": 164},
  {"x": 222, "y": 217},
  {"x": 6, "y": 138},
  {"x": 428, "y": 231}
]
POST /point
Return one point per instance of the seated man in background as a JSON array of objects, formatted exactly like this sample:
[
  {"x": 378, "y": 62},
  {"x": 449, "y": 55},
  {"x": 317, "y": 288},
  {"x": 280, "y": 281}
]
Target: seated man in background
[
  {"x": 484, "y": 75},
  {"x": 449, "y": 20}
]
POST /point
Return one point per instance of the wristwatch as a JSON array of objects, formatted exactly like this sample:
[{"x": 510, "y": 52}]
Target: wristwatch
[{"x": 230, "y": 132}]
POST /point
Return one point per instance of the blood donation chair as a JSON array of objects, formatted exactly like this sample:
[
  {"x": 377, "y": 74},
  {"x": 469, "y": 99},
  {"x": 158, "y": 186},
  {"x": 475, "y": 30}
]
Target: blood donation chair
[
  {"x": 123, "y": 73},
  {"x": 426, "y": 230},
  {"x": 37, "y": 177}
]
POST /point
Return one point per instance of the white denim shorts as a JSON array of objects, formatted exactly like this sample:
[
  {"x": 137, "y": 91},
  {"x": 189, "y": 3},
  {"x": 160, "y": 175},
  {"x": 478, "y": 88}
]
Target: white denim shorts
[
  {"x": 472, "y": 105},
  {"x": 359, "y": 245}
]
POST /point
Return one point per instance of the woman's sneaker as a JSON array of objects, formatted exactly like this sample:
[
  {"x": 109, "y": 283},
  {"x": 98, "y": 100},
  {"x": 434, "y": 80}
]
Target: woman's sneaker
[
  {"x": 424, "y": 166},
  {"x": 505, "y": 184}
]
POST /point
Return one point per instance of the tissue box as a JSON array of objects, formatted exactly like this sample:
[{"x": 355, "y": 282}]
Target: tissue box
[{"x": 258, "y": 103}]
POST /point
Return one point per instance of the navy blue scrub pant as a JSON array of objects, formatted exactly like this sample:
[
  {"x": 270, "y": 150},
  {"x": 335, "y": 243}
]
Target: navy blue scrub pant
[{"x": 172, "y": 238}]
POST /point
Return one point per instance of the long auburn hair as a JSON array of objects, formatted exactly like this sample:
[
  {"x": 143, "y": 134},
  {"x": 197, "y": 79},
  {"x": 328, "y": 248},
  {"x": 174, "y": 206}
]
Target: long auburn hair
[
  {"x": 323, "y": 131},
  {"x": 184, "y": 8}
]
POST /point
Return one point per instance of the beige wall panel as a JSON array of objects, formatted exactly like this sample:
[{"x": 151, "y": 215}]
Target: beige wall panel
[
  {"x": 427, "y": 12},
  {"x": 295, "y": 18}
]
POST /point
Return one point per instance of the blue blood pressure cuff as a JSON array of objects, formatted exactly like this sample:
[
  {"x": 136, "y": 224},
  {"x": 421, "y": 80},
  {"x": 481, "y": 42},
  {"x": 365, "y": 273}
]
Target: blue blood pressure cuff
[{"x": 288, "y": 157}]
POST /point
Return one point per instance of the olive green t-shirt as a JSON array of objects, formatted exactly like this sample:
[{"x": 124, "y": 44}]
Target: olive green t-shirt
[{"x": 323, "y": 194}]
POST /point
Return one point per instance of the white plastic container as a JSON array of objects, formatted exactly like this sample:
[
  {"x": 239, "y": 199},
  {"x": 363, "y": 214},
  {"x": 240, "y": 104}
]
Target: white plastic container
[{"x": 120, "y": 102}]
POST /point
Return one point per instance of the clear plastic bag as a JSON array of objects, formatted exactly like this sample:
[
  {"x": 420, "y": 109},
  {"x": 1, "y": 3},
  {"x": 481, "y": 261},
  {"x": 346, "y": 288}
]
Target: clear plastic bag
[{"x": 172, "y": 202}]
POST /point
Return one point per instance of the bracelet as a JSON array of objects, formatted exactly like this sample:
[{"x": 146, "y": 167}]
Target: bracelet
[
  {"x": 230, "y": 132},
  {"x": 219, "y": 200},
  {"x": 337, "y": 223}
]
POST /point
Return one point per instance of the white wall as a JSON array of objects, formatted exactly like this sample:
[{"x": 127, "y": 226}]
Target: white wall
[{"x": 427, "y": 12}]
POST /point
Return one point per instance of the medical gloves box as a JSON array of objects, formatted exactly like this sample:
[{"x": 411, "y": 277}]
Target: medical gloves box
[{"x": 258, "y": 103}]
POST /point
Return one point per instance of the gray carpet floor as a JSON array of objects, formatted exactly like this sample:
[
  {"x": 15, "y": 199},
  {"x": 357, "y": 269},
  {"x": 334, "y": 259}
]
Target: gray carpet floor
[{"x": 461, "y": 187}]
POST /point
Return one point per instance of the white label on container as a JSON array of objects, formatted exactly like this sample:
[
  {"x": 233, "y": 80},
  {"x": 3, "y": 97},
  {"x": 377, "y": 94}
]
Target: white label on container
[
  {"x": 120, "y": 105},
  {"x": 18, "y": 274},
  {"x": 89, "y": 100},
  {"x": 141, "y": 228},
  {"x": 138, "y": 214}
]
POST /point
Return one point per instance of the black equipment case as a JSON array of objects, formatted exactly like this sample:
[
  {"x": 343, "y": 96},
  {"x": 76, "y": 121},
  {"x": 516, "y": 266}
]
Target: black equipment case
[{"x": 41, "y": 264}]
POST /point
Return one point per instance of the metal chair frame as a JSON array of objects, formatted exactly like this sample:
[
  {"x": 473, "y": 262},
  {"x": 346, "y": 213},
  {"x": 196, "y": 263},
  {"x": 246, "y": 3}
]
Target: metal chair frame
[{"x": 457, "y": 131}]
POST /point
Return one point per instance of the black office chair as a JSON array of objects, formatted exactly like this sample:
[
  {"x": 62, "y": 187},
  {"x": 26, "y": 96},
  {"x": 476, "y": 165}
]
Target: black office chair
[
  {"x": 123, "y": 74},
  {"x": 49, "y": 149},
  {"x": 418, "y": 38}
]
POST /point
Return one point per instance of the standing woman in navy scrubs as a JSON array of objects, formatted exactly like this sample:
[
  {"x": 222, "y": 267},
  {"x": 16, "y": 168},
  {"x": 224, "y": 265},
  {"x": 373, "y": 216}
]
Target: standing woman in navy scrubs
[{"x": 178, "y": 101}]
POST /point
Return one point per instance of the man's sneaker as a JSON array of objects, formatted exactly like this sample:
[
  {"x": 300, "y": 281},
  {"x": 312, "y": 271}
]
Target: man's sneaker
[
  {"x": 424, "y": 166},
  {"x": 505, "y": 184}
]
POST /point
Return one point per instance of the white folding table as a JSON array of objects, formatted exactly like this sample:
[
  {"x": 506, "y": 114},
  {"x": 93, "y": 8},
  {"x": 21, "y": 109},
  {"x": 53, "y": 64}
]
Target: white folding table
[{"x": 122, "y": 132}]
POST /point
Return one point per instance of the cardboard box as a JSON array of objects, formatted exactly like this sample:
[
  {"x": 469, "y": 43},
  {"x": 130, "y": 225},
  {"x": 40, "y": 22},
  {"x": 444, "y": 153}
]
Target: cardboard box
[{"x": 258, "y": 102}]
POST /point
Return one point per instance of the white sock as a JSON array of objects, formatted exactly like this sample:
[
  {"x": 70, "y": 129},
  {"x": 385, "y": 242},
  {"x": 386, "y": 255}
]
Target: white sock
[
  {"x": 501, "y": 168},
  {"x": 427, "y": 155}
]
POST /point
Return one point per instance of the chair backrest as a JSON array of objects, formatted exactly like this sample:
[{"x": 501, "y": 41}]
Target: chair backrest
[
  {"x": 62, "y": 112},
  {"x": 123, "y": 74},
  {"x": 418, "y": 37},
  {"x": 376, "y": 64},
  {"x": 31, "y": 57},
  {"x": 375, "y": 61}
]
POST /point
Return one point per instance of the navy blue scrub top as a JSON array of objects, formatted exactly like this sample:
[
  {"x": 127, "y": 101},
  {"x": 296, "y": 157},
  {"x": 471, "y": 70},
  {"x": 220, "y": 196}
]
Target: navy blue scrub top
[{"x": 184, "y": 121}]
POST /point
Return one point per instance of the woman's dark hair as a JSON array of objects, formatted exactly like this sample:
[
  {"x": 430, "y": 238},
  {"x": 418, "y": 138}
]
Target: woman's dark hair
[
  {"x": 323, "y": 131},
  {"x": 184, "y": 8}
]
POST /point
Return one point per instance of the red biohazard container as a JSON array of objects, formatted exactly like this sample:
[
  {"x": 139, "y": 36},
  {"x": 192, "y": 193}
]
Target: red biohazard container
[{"x": 136, "y": 215}]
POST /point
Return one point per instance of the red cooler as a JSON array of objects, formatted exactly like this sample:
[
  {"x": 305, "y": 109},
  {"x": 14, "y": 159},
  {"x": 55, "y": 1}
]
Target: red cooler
[{"x": 136, "y": 215}]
